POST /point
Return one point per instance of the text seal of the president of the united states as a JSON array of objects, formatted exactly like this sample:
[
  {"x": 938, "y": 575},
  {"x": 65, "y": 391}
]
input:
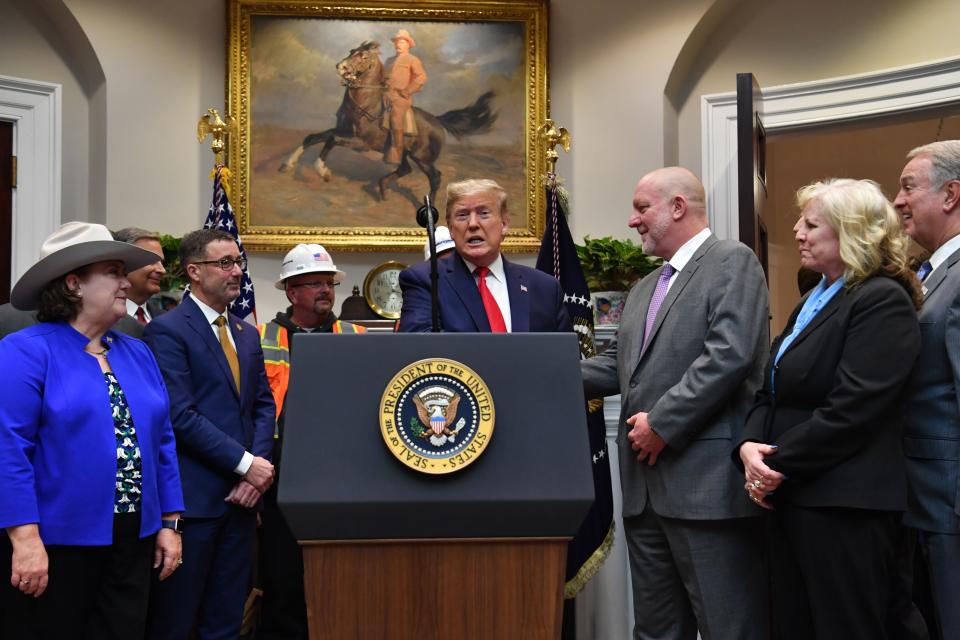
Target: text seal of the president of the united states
[{"x": 436, "y": 416}]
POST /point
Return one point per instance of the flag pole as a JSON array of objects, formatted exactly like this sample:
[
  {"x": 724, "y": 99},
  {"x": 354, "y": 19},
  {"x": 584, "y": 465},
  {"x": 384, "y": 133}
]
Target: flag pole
[
  {"x": 590, "y": 547},
  {"x": 220, "y": 215}
]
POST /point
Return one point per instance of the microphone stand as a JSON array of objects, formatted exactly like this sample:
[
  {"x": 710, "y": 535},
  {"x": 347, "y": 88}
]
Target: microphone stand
[{"x": 427, "y": 216}]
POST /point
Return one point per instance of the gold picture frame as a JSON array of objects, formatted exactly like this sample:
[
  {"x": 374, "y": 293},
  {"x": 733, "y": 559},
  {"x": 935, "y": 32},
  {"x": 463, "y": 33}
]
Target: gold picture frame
[{"x": 290, "y": 84}]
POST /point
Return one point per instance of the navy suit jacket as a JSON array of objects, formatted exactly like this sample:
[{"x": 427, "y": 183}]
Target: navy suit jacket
[
  {"x": 536, "y": 299},
  {"x": 214, "y": 425}
]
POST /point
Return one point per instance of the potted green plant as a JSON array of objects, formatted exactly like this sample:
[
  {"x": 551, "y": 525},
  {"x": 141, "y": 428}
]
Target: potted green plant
[
  {"x": 611, "y": 267},
  {"x": 175, "y": 280}
]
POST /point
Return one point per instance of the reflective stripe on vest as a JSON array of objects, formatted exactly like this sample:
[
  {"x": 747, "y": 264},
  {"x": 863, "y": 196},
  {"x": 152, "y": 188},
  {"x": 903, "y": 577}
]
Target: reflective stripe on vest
[
  {"x": 275, "y": 342},
  {"x": 276, "y": 361}
]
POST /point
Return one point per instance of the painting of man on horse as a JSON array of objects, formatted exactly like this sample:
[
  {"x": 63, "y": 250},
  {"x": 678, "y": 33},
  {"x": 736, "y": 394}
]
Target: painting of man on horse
[{"x": 355, "y": 170}]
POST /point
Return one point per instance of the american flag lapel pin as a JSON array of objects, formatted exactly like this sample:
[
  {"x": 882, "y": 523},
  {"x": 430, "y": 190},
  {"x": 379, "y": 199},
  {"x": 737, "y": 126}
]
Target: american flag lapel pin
[
  {"x": 237, "y": 325},
  {"x": 523, "y": 288}
]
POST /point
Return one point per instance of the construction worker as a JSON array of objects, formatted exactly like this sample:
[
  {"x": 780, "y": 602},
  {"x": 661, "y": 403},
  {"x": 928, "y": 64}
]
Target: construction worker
[{"x": 309, "y": 278}]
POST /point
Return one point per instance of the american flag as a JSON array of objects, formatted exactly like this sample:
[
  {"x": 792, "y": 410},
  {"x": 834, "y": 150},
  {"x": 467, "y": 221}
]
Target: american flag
[
  {"x": 220, "y": 216},
  {"x": 558, "y": 257}
]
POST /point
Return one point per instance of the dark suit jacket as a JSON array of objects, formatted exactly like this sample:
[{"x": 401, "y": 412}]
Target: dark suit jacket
[
  {"x": 213, "y": 424},
  {"x": 536, "y": 299},
  {"x": 837, "y": 414},
  {"x": 932, "y": 436}
]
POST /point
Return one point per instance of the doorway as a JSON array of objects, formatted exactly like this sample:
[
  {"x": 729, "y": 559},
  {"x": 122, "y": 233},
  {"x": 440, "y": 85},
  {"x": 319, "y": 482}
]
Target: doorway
[
  {"x": 874, "y": 149},
  {"x": 6, "y": 208}
]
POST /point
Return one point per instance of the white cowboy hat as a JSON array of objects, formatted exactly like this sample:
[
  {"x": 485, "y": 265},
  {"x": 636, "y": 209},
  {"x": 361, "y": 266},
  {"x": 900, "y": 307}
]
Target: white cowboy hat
[
  {"x": 74, "y": 245},
  {"x": 307, "y": 258},
  {"x": 403, "y": 34},
  {"x": 444, "y": 242}
]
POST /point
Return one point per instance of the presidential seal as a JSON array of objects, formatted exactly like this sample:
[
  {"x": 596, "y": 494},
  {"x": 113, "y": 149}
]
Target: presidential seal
[{"x": 436, "y": 416}]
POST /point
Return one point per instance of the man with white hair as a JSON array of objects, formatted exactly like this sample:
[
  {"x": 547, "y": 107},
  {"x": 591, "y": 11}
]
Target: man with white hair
[
  {"x": 929, "y": 206},
  {"x": 309, "y": 277}
]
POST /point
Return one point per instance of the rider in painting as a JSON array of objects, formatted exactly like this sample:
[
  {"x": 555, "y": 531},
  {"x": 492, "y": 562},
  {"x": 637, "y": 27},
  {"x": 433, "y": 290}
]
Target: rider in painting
[{"x": 404, "y": 77}]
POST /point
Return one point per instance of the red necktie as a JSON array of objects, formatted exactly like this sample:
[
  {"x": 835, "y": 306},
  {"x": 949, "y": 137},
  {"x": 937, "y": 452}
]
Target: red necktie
[
  {"x": 494, "y": 316},
  {"x": 141, "y": 316}
]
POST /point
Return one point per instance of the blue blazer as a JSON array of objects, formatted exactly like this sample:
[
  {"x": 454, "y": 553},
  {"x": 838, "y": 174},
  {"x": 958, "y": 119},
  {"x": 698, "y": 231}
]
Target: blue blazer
[
  {"x": 214, "y": 424},
  {"x": 58, "y": 451},
  {"x": 536, "y": 299}
]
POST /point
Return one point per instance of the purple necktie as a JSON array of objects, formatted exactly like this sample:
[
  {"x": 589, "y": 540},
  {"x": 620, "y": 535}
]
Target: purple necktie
[{"x": 658, "y": 295}]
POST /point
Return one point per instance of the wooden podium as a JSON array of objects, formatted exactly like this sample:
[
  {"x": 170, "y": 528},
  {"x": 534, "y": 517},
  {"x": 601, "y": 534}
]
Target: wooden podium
[{"x": 395, "y": 554}]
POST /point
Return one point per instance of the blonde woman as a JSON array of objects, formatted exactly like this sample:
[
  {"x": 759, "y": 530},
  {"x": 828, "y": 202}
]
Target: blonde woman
[{"x": 822, "y": 448}]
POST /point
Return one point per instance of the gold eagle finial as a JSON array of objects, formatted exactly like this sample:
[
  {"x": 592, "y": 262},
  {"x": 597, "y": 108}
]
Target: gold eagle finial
[
  {"x": 551, "y": 137},
  {"x": 212, "y": 124}
]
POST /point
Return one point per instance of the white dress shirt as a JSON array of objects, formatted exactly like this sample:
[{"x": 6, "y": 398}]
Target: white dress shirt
[
  {"x": 132, "y": 310},
  {"x": 497, "y": 284},
  {"x": 684, "y": 253},
  {"x": 945, "y": 251}
]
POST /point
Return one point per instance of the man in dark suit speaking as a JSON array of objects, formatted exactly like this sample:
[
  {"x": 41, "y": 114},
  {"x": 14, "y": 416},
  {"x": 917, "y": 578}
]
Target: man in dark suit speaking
[
  {"x": 478, "y": 289},
  {"x": 687, "y": 361},
  {"x": 223, "y": 418}
]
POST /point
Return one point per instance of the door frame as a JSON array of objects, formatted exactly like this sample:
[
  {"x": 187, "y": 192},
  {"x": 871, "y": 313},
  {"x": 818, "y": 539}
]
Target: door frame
[
  {"x": 810, "y": 104},
  {"x": 35, "y": 109}
]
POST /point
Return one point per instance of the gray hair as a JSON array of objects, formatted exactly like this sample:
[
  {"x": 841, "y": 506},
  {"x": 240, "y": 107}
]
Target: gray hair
[
  {"x": 131, "y": 235},
  {"x": 466, "y": 188},
  {"x": 944, "y": 160}
]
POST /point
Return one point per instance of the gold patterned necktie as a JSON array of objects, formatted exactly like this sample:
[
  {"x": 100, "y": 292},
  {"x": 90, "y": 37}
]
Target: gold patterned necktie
[{"x": 228, "y": 350}]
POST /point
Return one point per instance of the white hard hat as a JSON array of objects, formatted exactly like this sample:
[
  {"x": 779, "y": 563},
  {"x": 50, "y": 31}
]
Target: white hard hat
[
  {"x": 444, "y": 242},
  {"x": 307, "y": 258}
]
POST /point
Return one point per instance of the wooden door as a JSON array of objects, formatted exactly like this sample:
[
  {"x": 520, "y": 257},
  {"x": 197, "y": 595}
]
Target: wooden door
[
  {"x": 751, "y": 165},
  {"x": 6, "y": 208}
]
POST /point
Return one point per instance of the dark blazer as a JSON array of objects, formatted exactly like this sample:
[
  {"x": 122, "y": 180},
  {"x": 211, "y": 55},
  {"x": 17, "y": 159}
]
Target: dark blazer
[
  {"x": 213, "y": 424},
  {"x": 536, "y": 299},
  {"x": 837, "y": 411},
  {"x": 932, "y": 435}
]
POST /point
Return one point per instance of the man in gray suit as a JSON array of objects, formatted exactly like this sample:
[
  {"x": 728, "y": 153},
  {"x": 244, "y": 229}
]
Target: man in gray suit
[
  {"x": 929, "y": 205},
  {"x": 687, "y": 361}
]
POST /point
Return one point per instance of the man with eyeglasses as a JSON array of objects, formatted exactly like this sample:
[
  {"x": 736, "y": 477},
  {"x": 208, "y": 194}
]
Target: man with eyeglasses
[
  {"x": 223, "y": 419},
  {"x": 309, "y": 278}
]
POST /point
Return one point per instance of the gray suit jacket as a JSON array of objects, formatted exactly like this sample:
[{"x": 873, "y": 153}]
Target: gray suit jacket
[
  {"x": 932, "y": 434},
  {"x": 696, "y": 379}
]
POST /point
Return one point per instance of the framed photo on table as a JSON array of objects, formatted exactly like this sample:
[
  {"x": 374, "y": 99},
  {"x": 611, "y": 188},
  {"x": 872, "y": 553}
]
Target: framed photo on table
[{"x": 317, "y": 93}]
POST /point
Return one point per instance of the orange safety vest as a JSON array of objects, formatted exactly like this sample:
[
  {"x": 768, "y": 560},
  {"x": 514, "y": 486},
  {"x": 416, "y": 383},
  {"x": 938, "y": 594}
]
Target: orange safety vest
[{"x": 275, "y": 342}]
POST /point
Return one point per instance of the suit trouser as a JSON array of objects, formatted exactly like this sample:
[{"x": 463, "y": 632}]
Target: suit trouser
[
  {"x": 94, "y": 593},
  {"x": 833, "y": 571},
  {"x": 942, "y": 555},
  {"x": 210, "y": 587},
  {"x": 697, "y": 574}
]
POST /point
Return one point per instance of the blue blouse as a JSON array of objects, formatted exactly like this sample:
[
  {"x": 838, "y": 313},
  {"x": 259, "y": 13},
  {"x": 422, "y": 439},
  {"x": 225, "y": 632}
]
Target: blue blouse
[
  {"x": 58, "y": 457},
  {"x": 817, "y": 300}
]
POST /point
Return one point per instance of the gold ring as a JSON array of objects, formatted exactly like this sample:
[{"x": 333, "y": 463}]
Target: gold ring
[
  {"x": 757, "y": 484},
  {"x": 179, "y": 561},
  {"x": 24, "y": 582}
]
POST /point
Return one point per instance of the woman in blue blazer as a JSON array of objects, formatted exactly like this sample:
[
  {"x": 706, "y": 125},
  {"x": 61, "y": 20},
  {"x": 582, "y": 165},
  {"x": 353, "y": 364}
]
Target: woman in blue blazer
[
  {"x": 822, "y": 445},
  {"x": 88, "y": 468}
]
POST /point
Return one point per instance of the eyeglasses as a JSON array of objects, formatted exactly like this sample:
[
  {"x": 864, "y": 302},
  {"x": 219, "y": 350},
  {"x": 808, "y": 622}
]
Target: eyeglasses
[
  {"x": 314, "y": 285},
  {"x": 226, "y": 263}
]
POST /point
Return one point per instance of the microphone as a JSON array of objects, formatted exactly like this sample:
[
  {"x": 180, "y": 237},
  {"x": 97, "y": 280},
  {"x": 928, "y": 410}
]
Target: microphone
[{"x": 422, "y": 213}]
